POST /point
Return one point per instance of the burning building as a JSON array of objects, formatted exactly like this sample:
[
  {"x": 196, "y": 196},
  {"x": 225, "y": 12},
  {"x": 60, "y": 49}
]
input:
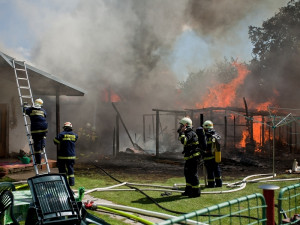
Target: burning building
[{"x": 245, "y": 126}]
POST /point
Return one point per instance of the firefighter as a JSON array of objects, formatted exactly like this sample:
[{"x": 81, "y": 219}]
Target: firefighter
[
  {"x": 214, "y": 178},
  {"x": 189, "y": 140},
  {"x": 38, "y": 127},
  {"x": 66, "y": 153}
]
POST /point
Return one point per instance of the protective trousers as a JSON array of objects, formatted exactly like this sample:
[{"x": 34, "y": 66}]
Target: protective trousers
[
  {"x": 214, "y": 178},
  {"x": 66, "y": 166},
  {"x": 192, "y": 188},
  {"x": 38, "y": 144}
]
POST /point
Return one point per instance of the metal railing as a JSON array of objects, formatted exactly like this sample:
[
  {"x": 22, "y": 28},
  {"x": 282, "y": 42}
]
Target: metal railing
[
  {"x": 249, "y": 209},
  {"x": 288, "y": 204}
]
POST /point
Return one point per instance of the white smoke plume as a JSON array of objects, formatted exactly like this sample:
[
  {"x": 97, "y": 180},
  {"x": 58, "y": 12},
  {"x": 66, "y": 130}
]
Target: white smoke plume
[{"x": 125, "y": 46}]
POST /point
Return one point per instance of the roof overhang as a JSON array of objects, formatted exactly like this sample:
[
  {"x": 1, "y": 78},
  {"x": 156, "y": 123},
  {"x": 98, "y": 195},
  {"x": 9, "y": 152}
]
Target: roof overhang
[{"x": 41, "y": 82}]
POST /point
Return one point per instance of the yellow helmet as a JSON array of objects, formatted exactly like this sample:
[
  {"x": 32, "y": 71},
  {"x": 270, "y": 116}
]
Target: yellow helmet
[
  {"x": 208, "y": 124},
  {"x": 38, "y": 103},
  {"x": 186, "y": 121}
]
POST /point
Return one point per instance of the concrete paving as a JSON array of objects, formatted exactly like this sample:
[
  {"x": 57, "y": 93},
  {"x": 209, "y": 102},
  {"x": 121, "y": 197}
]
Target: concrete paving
[{"x": 24, "y": 175}]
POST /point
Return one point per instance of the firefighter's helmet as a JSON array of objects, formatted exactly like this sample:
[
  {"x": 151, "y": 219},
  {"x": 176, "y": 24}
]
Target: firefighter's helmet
[
  {"x": 186, "y": 121},
  {"x": 67, "y": 125},
  {"x": 208, "y": 124},
  {"x": 38, "y": 103}
]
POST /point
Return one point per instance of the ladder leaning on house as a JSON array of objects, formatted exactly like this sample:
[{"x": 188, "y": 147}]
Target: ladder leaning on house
[{"x": 25, "y": 94}]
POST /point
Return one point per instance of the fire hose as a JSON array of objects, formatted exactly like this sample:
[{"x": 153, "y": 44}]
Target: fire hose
[
  {"x": 91, "y": 205},
  {"x": 243, "y": 185}
]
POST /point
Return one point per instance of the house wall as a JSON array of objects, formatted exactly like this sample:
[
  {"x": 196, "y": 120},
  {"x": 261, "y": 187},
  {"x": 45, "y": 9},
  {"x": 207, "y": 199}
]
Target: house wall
[{"x": 17, "y": 133}]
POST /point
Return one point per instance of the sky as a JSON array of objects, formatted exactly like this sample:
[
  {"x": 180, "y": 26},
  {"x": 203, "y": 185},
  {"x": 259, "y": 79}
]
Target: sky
[{"x": 25, "y": 22}]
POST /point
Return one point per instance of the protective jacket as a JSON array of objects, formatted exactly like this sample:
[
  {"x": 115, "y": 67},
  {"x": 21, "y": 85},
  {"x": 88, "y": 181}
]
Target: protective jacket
[
  {"x": 37, "y": 119},
  {"x": 66, "y": 140},
  {"x": 189, "y": 139},
  {"x": 214, "y": 178}
]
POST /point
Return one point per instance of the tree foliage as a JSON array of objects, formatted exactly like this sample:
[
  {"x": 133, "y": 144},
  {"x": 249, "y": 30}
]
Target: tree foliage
[
  {"x": 278, "y": 35},
  {"x": 275, "y": 67}
]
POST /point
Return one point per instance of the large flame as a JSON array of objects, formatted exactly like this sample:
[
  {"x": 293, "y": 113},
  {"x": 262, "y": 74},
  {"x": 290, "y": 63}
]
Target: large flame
[{"x": 224, "y": 95}]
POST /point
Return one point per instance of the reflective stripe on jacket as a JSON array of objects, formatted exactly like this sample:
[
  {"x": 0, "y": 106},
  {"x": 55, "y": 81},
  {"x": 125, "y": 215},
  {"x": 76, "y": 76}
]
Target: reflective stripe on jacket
[
  {"x": 66, "y": 140},
  {"x": 189, "y": 139},
  {"x": 38, "y": 122}
]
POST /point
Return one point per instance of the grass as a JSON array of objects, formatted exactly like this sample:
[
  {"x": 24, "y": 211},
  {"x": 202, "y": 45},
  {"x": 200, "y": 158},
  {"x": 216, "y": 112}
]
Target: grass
[
  {"x": 174, "y": 202},
  {"x": 94, "y": 178}
]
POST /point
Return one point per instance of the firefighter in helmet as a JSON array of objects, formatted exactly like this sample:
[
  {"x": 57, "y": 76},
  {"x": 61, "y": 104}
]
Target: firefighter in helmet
[
  {"x": 189, "y": 140},
  {"x": 38, "y": 127},
  {"x": 66, "y": 153},
  {"x": 214, "y": 178}
]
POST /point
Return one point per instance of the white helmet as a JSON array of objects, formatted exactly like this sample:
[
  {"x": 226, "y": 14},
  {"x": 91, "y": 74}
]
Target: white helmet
[
  {"x": 67, "y": 124},
  {"x": 38, "y": 103},
  {"x": 186, "y": 121},
  {"x": 208, "y": 124}
]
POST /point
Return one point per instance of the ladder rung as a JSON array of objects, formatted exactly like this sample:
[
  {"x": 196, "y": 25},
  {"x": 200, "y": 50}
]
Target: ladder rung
[
  {"x": 20, "y": 69},
  {"x": 22, "y": 78},
  {"x": 26, "y": 96},
  {"x": 24, "y": 87}
]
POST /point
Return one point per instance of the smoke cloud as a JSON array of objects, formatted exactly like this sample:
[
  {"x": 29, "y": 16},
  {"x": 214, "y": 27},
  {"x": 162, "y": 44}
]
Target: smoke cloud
[{"x": 124, "y": 47}]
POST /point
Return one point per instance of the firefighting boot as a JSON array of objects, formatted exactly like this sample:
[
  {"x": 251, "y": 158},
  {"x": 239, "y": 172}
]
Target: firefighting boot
[
  {"x": 196, "y": 192},
  {"x": 210, "y": 184},
  {"x": 187, "y": 191},
  {"x": 218, "y": 182}
]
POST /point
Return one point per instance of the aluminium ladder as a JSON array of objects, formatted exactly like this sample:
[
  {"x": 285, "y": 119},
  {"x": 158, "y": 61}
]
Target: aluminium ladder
[{"x": 25, "y": 92}]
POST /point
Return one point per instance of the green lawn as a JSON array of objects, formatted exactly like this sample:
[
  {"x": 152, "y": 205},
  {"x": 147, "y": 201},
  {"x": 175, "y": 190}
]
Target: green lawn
[
  {"x": 94, "y": 178},
  {"x": 173, "y": 202}
]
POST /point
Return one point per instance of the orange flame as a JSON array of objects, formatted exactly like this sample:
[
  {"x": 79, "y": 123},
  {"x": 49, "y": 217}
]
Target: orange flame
[
  {"x": 245, "y": 135},
  {"x": 110, "y": 96},
  {"x": 223, "y": 95}
]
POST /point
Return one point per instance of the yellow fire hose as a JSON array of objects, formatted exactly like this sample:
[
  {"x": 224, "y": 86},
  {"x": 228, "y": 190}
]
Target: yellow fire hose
[{"x": 125, "y": 214}]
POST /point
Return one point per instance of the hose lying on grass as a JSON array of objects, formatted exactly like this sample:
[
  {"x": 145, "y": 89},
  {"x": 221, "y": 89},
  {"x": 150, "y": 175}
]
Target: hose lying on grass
[
  {"x": 90, "y": 205},
  {"x": 241, "y": 185}
]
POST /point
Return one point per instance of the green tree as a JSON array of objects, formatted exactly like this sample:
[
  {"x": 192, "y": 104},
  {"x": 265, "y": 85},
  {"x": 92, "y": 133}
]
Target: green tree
[
  {"x": 275, "y": 66},
  {"x": 280, "y": 34}
]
